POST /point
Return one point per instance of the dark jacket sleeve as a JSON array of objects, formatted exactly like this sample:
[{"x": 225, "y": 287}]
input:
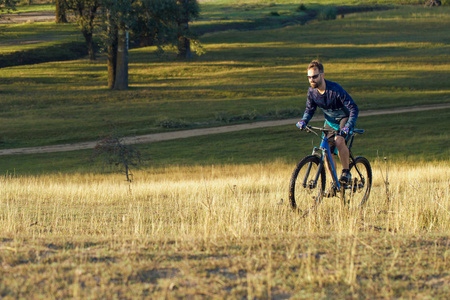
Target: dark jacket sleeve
[
  {"x": 348, "y": 102},
  {"x": 311, "y": 107}
]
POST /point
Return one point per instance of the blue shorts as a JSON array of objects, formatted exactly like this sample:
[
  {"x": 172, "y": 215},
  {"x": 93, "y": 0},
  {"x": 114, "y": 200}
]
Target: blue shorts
[{"x": 332, "y": 135}]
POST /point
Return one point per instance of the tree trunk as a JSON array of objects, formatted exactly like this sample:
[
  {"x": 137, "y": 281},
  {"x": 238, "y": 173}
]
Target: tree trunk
[
  {"x": 184, "y": 44},
  {"x": 90, "y": 44},
  {"x": 121, "y": 81},
  {"x": 60, "y": 11},
  {"x": 112, "y": 51},
  {"x": 184, "y": 47},
  {"x": 112, "y": 60}
]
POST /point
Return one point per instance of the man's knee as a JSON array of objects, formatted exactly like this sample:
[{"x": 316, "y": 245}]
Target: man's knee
[{"x": 340, "y": 141}]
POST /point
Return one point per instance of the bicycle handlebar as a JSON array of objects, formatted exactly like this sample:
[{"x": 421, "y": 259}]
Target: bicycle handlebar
[{"x": 310, "y": 128}]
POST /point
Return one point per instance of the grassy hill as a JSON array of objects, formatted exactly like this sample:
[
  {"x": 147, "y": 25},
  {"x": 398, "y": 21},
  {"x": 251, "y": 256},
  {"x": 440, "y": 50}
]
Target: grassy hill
[
  {"x": 384, "y": 59},
  {"x": 206, "y": 217}
]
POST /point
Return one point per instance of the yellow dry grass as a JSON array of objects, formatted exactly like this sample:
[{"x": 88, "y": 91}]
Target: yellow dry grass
[
  {"x": 222, "y": 230},
  {"x": 215, "y": 202}
]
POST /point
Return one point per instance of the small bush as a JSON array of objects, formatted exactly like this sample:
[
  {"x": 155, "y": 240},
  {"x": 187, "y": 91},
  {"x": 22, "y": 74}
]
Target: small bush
[
  {"x": 301, "y": 7},
  {"x": 223, "y": 117},
  {"x": 327, "y": 13},
  {"x": 250, "y": 115},
  {"x": 169, "y": 123},
  {"x": 115, "y": 152},
  {"x": 246, "y": 116}
]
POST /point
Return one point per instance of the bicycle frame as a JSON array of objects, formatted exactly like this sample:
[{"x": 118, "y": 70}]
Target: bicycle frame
[{"x": 325, "y": 155}]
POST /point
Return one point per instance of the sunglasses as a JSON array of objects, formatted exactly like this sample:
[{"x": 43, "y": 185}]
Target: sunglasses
[{"x": 314, "y": 76}]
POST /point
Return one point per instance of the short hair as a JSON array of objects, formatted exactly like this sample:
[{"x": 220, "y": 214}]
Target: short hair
[{"x": 315, "y": 64}]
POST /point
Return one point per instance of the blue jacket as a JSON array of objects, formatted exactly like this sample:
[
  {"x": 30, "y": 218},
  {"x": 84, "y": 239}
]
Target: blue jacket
[{"x": 335, "y": 103}]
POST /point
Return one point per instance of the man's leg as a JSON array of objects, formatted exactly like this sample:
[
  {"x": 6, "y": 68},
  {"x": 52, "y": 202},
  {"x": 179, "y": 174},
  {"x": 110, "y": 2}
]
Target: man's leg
[{"x": 344, "y": 154}]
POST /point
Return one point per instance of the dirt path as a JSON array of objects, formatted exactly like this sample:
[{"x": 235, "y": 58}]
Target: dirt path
[
  {"x": 28, "y": 17},
  {"x": 166, "y": 136}
]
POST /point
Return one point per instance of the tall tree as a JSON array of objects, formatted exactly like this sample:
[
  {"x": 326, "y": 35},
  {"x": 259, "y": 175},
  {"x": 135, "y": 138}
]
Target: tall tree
[
  {"x": 7, "y": 5},
  {"x": 188, "y": 9},
  {"x": 86, "y": 12},
  {"x": 60, "y": 11},
  {"x": 158, "y": 22},
  {"x": 120, "y": 14}
]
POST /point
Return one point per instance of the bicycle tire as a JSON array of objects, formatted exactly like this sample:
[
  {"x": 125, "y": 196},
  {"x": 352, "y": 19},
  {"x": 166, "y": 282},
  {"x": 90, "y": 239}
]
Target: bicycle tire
[
  {"x": 361, "y": 180},
  {"x": 304, "y": 195}
]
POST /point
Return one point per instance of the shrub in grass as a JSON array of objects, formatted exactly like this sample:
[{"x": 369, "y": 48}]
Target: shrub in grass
[
  {"x": 223, "y": 117},
  {"x": 169, "y": 123},
  {"x": 116, "y": 153},
  {"x": 327, "y": 13},
  {"x": 301, "y": 7}
]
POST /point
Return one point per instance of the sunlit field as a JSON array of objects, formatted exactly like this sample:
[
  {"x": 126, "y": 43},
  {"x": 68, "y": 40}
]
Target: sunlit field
[
  {"x": 209, "y": 216},
  {"x": 387, "y": 59},
  {"x": 218, "y": 231}
]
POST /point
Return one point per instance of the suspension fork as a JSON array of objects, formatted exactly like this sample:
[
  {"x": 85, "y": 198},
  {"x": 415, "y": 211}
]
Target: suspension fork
[{"x": 308, "y": 169}]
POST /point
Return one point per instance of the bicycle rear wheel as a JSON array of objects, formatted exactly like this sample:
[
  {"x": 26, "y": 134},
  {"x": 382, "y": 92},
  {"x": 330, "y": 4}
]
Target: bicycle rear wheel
[
  {"x": 361, "y": 180},
  {"x": 307, "y": 184}
]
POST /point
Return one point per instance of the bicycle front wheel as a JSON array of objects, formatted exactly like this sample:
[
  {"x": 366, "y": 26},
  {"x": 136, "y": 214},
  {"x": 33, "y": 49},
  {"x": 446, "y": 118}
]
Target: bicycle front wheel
[
  {"x": 361, "y": 180},
  {"x": 307, "y": 184}
]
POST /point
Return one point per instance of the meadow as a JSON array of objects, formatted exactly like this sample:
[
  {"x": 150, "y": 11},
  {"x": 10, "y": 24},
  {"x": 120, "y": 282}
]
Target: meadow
[
  {"x": 209, "y": 217},
  {"x": 222, "y": 231},
  {"x": 384, "y": 59}
]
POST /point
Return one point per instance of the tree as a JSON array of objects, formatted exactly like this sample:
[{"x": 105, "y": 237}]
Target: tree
[
  {"x": 86, "y": 12},
  {"x": 119, "y": 16},
  {"x": 152, "y": 22},
  {"x": 155, "y": 18},
  {"x": 188, "y": 9},
  {"x": 60, "y": 11},
  {"x": 115, "y": 151},
  {"x": 7, "y": 5}
]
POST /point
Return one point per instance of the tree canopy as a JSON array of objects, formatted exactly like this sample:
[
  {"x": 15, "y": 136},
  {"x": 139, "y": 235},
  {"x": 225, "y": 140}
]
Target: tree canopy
[{"x": 139, "y": 22}]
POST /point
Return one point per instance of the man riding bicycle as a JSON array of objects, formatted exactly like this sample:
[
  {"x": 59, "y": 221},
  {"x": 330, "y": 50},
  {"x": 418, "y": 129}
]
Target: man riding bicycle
[{"x": 339, "y": 109}]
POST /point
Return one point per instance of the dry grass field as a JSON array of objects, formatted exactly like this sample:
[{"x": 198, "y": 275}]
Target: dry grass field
[{"x": 222, "y": 232}]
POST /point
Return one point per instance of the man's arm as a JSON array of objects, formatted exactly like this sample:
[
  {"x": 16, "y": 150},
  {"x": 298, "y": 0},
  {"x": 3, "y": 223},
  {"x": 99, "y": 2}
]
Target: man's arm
[
  {"x": 352, "y": 107},
  {"x": 311, "y": 107}
]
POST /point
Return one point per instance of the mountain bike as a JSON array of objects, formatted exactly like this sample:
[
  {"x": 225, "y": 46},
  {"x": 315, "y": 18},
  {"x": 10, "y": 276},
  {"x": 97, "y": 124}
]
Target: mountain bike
[{"x": 308, "y": 181}]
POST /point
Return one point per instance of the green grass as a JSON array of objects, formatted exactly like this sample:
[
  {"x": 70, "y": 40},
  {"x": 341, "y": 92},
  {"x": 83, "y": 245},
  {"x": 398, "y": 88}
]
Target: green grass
[
  {"x": 269, "y": 14},
  {"x": 384, "y": 59},
  {"x": 34, "y": 8},
  {"x": 403, "y": 137},
  {"x": 20, "y": 37}
]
